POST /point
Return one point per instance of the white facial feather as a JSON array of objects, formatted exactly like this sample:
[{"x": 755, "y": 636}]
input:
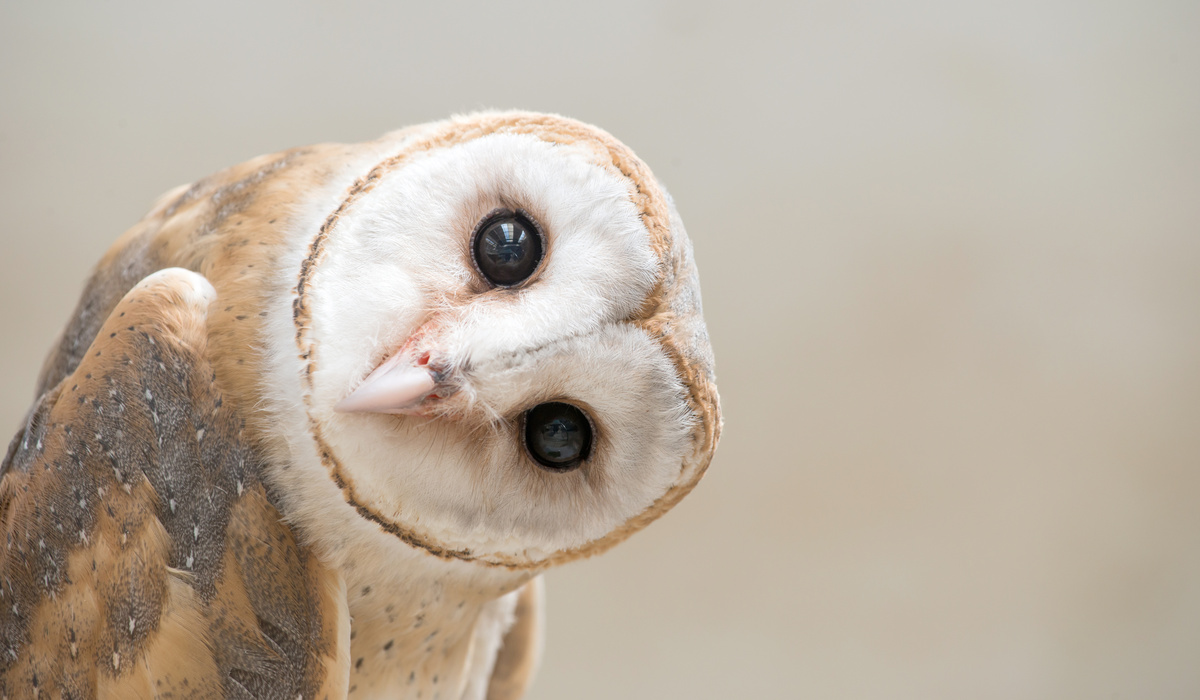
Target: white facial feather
[{"x": 398, "y": 261}]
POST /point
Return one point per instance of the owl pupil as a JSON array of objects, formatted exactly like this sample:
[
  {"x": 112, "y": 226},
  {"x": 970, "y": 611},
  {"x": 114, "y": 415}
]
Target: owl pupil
[
  {"x": 558, "y": 436},
  {"x": 507, "y": 250}
]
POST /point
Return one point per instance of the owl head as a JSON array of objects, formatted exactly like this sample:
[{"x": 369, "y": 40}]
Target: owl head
[{"x": 492, "y": 349}]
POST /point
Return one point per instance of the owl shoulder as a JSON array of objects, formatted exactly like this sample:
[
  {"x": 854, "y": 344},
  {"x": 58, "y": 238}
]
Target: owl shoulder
[{"x": 140, "y": 548}]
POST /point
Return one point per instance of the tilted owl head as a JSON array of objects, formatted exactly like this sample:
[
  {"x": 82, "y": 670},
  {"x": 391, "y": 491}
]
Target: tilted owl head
[{"x": 496, "y": 343}]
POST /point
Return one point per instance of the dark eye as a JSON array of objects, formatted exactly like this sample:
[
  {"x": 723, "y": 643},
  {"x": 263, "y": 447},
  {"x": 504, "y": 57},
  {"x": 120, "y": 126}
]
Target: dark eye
[
  {"x": 507, "y": 249},
  {"x": 558, "y": 436}
]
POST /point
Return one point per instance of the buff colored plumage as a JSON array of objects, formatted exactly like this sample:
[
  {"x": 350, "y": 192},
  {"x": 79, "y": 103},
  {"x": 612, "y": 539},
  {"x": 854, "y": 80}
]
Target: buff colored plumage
[{"x": 189, "y": 509}]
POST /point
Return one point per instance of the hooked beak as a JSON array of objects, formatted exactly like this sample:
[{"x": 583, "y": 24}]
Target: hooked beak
[{"x": 399, "y": 385}]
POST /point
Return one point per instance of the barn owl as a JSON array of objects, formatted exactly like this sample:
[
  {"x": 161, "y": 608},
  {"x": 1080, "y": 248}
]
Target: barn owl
[{"x": 320, "y": 421}]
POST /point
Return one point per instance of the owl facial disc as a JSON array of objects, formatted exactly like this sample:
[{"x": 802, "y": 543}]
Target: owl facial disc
[{"x": 523, "y": 281}]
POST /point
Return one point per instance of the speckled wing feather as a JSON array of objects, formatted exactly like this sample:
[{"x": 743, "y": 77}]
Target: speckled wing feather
[{"x": 142, "y": 554}]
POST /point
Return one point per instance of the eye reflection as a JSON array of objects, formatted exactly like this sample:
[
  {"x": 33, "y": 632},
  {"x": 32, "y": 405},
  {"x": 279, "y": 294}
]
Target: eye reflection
[
  {"x": 505, "y": 244},
  {"x": 507, "y": 250},
  {"x": 558, "y": 436}
]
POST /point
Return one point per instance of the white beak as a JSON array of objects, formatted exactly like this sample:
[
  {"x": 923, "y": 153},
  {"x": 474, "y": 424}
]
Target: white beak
[{"x": 396, "y": 386}]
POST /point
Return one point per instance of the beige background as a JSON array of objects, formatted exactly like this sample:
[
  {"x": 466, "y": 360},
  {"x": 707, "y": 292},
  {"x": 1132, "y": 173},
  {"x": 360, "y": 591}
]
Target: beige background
[{"x": 951, "y": 265}]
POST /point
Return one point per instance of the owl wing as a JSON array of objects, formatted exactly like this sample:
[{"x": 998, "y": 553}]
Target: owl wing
[
  {"x": 522, "y": 646},
  {"x": 143, "y": 556}
]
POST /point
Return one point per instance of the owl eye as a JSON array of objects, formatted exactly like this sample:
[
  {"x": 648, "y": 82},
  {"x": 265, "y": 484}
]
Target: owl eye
[
  {"x": 558, "y": 436},
  {"x": 507, "y": 249}
]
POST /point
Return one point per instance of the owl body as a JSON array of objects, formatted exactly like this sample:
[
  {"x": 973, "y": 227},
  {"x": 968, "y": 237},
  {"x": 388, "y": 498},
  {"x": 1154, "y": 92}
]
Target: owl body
[{"x": 331, "y": 412}]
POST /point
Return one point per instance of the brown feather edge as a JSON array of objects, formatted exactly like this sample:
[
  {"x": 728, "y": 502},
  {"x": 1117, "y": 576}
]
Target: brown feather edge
[{"x": 652, "y": 318}]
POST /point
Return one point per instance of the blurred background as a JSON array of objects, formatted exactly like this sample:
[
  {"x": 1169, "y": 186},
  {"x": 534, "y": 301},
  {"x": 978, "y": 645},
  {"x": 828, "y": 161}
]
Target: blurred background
[{"x": 951, "y": 265}]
